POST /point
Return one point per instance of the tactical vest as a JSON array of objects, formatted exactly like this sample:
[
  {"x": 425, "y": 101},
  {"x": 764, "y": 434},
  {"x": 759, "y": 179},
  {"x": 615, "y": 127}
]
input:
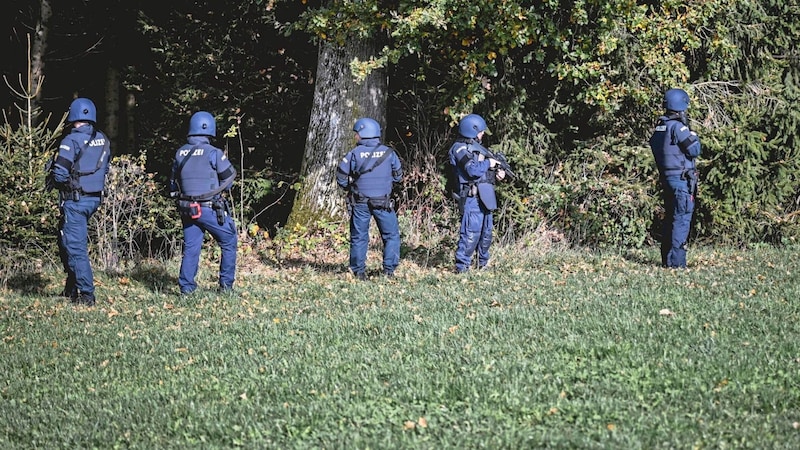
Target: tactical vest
[
  {"x": 463, "y": 153},
  {"x": 91, "y": 163},
  {"x": 376, "y": 182},
  {"x": 671, "y": 161},
  {"x": 197, "y": 177}
]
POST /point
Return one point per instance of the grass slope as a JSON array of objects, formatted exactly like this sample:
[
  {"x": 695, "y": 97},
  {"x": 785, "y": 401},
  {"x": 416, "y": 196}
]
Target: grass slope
[{"x": 563, "y": 350}]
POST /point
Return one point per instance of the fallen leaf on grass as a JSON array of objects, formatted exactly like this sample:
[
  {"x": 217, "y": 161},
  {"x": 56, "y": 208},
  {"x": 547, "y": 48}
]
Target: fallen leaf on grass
[
  {"x": 409, "y": 425},
  {"x": 666, "y": 312}
]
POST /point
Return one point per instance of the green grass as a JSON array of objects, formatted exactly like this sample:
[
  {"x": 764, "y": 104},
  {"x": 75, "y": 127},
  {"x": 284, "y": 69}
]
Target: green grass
[{"x": 563, "y": 350}]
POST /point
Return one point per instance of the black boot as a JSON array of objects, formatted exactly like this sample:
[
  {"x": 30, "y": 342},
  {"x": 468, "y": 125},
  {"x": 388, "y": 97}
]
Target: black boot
[{"x": 84, "y": 299}]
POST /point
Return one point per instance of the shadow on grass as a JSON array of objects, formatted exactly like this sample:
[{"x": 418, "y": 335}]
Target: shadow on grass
[
  {"x": 299, "y": 262},
  {"x": 424, "y": 256},
  {"x": 154, "y": 276},
  {"x": 642, "y": 258},
  {"x": 325, "y": 263},
  {"x": 29, "y": 283}
]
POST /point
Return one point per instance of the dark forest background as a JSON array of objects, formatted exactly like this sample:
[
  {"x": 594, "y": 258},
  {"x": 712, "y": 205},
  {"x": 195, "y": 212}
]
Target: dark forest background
[{"x": 570, "y": 91}]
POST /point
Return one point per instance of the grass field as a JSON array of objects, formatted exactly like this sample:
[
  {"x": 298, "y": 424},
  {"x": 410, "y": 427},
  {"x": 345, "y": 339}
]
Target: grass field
[{"x": 562, "y": 350}]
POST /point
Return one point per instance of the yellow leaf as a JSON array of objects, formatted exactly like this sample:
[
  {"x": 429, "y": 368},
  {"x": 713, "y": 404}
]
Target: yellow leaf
[
  {"x": 409, "y": 425},
  {"x": 423, "y": 422}
]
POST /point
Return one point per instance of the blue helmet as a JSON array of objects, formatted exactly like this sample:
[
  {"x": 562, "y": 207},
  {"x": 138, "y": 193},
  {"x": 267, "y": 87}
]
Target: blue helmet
[
  {"x": 471, "y": 125},
  {"x": 676, "y": 100},
  {"x": 367, "y": 128},
  {"x": 202, "y": 124},
  {"x": 82, "y": 110}
]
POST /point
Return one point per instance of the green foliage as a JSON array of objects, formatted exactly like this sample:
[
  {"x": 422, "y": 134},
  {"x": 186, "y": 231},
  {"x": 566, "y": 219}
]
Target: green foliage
[
  {"x": 571, "y": 91},
  {"x": 233, "y": 62},
  {"x": 565, "y": 350},
  {"x": 315, "y": 242},
  {"x": 752, "y": 172},
  {"x": 136, "y": 219},
  {"x": 30, "y": 214}
]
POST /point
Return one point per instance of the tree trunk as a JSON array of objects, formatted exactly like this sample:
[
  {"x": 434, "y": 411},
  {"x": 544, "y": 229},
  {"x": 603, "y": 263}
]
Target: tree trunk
[
  {"x": 112, "y": 99},
  {"x": 338, "y": 102},
  {"x": 38, "y": 49}
]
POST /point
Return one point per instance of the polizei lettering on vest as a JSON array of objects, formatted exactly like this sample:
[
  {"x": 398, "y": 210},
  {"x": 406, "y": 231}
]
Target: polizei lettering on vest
[
  {"x": 377, "y": 154},
  {"x": 195, "y": 152}
]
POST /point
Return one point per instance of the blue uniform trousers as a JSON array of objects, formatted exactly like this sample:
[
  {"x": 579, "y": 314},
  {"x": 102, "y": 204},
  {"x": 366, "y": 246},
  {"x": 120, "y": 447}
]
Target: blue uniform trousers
[
  {"x": 679, "y": 207},
  {"x": 359, "y": 237},
  {"x": 73, "y": 245},
  {"x": 476, "y": 228},
  {"x": 193, "y": 233}
]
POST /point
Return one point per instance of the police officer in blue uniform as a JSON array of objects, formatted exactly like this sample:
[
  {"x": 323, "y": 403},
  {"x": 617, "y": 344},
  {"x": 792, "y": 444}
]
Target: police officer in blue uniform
[
  {"x": 367, "y": 173},
  {"x": 200, "y": 174},
  {"x": 477, "y": 173},
  {"x": 79, "y": 172},
  {"x": 675, "y": 148}
]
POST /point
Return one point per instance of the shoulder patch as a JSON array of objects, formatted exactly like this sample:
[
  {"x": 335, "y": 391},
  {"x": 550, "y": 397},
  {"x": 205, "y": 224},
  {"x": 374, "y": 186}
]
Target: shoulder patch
[{"x": 661, "y": 128}]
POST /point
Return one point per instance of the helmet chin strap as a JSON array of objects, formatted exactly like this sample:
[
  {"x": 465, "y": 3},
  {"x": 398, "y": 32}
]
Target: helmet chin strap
[{"x": 679, "y": 115}]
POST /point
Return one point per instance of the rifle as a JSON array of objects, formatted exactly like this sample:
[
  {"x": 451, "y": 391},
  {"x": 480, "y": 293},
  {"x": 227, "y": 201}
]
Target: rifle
[{"x": 502, "y": 163}]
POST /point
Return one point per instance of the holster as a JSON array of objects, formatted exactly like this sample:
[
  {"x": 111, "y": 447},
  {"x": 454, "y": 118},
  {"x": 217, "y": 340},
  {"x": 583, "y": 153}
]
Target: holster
[
  {"x": 190, "y": 208},
  {"x": 222, "y": 209},
  {"x": 691, "y": 177},
  {"x": 385, "y": 203}
]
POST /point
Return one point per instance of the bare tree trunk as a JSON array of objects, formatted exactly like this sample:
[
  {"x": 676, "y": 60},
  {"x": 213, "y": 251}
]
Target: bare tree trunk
[
  {"x": 130, "y": 123},
  {"x": 111, "y": 125},
  {"x": 38, "y": 49},
  {"x": 338, "y": 102}
]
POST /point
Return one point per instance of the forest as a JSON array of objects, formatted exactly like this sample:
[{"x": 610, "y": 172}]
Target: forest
[{"x": 570, "y": 91}]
